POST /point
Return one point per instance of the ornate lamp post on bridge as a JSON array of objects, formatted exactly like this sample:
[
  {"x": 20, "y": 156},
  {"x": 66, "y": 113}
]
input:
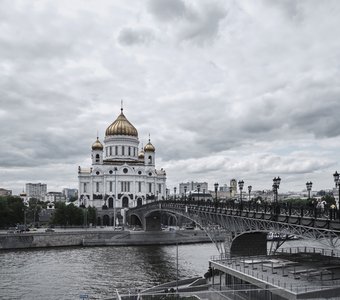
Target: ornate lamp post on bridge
[
  {"x": 240, "y": 186},
  {"x": 175, "y": 192},
  {"x": 198, "y": 192},
  {"x": 185, "y": 193},
  {"x": 249, "y": 190},
  {"x": 216, "y": 188},
  {"x": 337, "y": 185},
  {"x": 309, "y": 188},
  {"x": 276, "y": 185}
]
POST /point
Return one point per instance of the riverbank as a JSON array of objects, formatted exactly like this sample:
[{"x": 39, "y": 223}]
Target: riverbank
[{"x": 105, "y": 237}]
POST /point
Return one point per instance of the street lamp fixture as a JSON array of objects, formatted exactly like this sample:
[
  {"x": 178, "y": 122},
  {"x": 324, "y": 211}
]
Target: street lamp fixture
[
  {"x": 240, "y": 186},
  {"x": 216, "y": 189},
  {"x": 337, "y": 184},
  {"x": 185, "y": 193},
  {"x": 249, "y": 190},
  {"x": 198, "y": 192},
  {"x": 309, "y": 187},
  {"x": 276, "y": 185},
  {"x": 175, "y": 192},
  {"x": 230, "y": 191}
]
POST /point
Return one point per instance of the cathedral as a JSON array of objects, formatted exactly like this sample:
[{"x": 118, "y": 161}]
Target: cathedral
[{"x": 121, "y": 175}]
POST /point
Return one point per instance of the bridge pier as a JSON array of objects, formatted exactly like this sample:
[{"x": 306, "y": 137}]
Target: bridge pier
[{"x": 153, "y": 222}]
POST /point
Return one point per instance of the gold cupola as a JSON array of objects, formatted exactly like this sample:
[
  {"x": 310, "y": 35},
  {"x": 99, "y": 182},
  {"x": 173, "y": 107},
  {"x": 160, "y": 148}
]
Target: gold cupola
[
  {"x": 149, "y": 147},
  {"x": 141, "y": 154},
  {"x": 97, "y": 145},
  {"x": 121, "y": 126}
]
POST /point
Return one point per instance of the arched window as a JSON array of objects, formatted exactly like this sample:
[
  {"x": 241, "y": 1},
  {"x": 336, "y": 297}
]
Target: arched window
[
  {"x": 97, "y": 158},
  {"x": 110, "y": 202},
  {"x": 125, "y": 202},
  {"x": 150, "y": 159}
]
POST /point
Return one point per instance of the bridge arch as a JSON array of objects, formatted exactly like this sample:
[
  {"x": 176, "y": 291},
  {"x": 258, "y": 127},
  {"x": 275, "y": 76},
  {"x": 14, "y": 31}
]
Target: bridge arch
[{"x": 135, "y": 220}]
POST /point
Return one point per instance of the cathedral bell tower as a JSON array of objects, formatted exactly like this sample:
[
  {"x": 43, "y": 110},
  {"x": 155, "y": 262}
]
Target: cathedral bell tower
[
  {"x": 149, "y": 154},
  {"x": 97, "y": 153}
]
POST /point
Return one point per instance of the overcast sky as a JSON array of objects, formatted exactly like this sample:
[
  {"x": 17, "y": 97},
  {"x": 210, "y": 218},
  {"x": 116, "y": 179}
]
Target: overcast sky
[{"x": 227, "y": 89}]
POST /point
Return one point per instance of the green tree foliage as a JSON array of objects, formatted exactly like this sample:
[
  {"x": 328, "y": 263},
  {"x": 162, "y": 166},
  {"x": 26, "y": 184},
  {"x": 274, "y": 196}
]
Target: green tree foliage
[
  {"x": 297, "y": 202},
  {"x": 11, "y": 211},
  {"x": 92, "y": 215},
  {"x": 67, "y": 215}
]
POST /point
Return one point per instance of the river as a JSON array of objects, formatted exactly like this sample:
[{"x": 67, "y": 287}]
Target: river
[{"x": 67, "y": 273}]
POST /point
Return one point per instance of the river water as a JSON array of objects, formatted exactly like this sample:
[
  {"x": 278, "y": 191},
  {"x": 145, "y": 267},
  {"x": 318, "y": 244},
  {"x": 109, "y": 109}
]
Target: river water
[{"x": 67, "y": 273}]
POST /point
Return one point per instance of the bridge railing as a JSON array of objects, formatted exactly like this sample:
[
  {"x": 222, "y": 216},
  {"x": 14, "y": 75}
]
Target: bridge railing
[{"x": 274, "y": 209}]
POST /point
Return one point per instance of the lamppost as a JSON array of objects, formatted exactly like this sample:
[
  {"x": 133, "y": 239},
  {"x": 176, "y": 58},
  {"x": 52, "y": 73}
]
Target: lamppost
[
  {"x": 198, "y": 192},
  {"x": 309, "y": 188},
  {"x": 276, "y": 185},
  {"x": 249, "y": 190},
  {"x": 115, "y": 199},
  {"x": 167, "y": 191},
  {"x": 216, "y": 188},
  {"x": 175, "y": 192},
  {"x": 185, "y": 193},
  {"x": 240, "y": 186},
  {"x": 231, "y": 191},
  {"x": 337, "y": 185}
]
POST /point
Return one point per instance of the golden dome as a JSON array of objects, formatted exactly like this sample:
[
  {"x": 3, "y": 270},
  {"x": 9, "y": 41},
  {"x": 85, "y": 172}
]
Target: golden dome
[
  {"x": 121, "y": 126},
  {"x": 149, "y": 147},
  {"x": 141, "y": 154},
  {"x": 97, "y": 145}
]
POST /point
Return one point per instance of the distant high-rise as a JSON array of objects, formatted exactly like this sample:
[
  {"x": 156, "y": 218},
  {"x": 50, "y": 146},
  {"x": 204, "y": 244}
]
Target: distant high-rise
[{"x": 36, "y": 190}]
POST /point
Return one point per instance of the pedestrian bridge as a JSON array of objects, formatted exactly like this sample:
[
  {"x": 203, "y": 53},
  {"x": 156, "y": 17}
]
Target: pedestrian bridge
[{"x": 241, "y": 229}]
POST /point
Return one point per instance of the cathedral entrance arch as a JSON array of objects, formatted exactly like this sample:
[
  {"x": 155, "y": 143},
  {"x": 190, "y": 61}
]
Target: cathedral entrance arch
[
  {"x": 110, "y": 202},
  {"x": 125, "y": 202},
  {"x": 106, "y": 220},
  {"x": 139, "y": 202}
]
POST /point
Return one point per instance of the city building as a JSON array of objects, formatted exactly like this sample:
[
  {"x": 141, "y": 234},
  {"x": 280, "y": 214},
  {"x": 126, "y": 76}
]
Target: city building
[
  {"x": 120, "y": 176},
  {"x": 70, "y": 193},
  {"x": 200, "y": 187},
  {"x": 4, "y": 192},
  {"x": 36, "y": 190},
  {"x": 55, "y": 197}
]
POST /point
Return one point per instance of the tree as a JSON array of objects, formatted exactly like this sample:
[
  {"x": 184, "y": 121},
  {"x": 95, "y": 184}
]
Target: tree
[
  {"x": 67, "y": 215},
  {"x": 11, "y": 211},
  {"x": 92, "y": 215}
]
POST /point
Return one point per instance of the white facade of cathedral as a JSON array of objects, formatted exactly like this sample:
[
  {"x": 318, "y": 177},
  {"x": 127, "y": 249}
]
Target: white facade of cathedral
[{"x": 120, "y": 177}]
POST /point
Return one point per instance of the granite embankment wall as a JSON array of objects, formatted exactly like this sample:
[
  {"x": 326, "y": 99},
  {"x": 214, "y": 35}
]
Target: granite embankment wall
[{"x": 95, "y": 238}]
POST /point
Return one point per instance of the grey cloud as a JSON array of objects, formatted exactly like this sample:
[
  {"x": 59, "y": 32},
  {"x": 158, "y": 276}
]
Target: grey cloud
[
  {"x": 198, "y": 23},
  {"x": 131, "y": 36},
  {"x": 203, "y": 26},
  {"x": 167, "y": 10}
]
